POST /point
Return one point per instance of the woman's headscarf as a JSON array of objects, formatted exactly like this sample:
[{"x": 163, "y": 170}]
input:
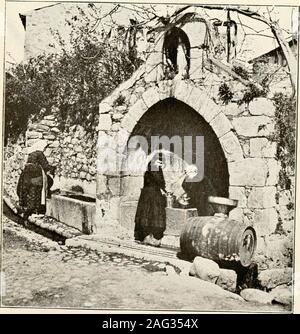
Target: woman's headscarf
[{"x": 38, "y": 146}]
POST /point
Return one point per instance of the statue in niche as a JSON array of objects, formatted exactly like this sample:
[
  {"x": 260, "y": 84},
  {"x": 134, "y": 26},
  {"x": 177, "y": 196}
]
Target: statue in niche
[{"x": 176, "y": 49}]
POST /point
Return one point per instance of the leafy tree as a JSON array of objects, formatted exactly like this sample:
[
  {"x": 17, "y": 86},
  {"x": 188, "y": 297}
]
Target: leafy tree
[{"x": 69, "y": 84}]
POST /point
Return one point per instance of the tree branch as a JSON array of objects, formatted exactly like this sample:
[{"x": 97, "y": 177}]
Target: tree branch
[
  {"x": 228, "y": 68},
  {"x": 276, "y": 30}
]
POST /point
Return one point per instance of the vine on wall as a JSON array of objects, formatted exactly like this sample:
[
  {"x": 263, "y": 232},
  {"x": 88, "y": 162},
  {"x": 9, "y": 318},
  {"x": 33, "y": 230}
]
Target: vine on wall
[{"x": 285, "y": 136}]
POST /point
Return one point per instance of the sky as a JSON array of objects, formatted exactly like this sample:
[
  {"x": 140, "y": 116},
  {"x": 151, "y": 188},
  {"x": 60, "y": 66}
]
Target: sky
[{"x": 15, "y": 34}]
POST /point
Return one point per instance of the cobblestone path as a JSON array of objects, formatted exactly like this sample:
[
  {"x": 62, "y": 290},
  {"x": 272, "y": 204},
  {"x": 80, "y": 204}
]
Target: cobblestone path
[{"x": 41, "y": 273}]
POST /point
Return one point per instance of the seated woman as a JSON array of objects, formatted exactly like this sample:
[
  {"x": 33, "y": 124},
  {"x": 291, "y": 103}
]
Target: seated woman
[
  {"x": 33, "y": 188},
  {"x": 150, "y": 218}
]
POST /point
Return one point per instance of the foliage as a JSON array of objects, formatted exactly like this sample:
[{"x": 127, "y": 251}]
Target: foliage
[
  {"x": 285, "y": 136},
  {"x": 120, "y": 100},
  {"x": 243, "y": 73},
  {"x": 251, "y": 93},
  {"x": 225, "y": 94},
  {"x": 69, "y": 84},
  {"x": 265, "y": 72}
]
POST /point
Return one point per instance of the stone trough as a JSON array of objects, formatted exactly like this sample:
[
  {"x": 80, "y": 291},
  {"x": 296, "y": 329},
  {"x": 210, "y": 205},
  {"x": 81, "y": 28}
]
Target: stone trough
[{"x": 75, "y": 210}]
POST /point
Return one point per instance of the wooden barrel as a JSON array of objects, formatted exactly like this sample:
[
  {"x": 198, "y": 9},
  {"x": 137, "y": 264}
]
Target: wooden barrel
[{"x": 219, "y": 239}]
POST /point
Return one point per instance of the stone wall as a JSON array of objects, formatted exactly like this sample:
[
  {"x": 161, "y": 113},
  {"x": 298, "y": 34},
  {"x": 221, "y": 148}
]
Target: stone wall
[
  {"x": 13, "y": 162},
  {"x": 244, "y": 132},
  {"x": 72, "y": 151}
]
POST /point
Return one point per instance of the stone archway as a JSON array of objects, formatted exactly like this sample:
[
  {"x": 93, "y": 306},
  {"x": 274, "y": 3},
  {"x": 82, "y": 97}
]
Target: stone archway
[
  {"x": 198, "y": 102},
  {"x": 171, "y": 118},
  {"x": 252, "y": 174},
  {"x": 109, "y": 185}
]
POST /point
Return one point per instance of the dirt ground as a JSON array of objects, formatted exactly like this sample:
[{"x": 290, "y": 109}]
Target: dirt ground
[{"x": 41, "y": 273}]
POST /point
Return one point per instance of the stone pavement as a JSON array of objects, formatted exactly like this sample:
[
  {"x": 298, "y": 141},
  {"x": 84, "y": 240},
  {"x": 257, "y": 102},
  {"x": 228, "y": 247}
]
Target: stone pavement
[{"x": 42, "y": 273}]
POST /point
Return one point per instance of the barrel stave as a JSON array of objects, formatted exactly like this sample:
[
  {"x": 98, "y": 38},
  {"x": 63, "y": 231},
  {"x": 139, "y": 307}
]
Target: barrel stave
[{"x": 216, "y": 238}]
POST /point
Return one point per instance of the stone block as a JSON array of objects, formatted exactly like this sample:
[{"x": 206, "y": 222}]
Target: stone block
[
  {"x": 105, "y": 122},
  {"x": 55, "y": 130},
  {"x": 262, "y": 147},
  {"x": 74, "y": 141},
  {"x": 248, "y": 172},
  {"x": 233, "y": 109},
  {"x": 131, "y": 186},
  {"x": 82, "y": 175},
  {"x": 265, "y": 221},
  {"x": 34, "y": 135},
  {"x": 73, "y": 212},
  {"x": 48, "y": 123},
  {"x": 283, "y": 294},
  {"x": 256, "y": 296},
  {"x": 116, "y": 126},
  {"x": 121, "y": 109},
  {"x": 117, "y": 116},
  {"x": 48, "y": 152},
  {"x": 101, "y": 181},
  {"x": 209, "y": 110},
  {"x": 262, "y": 197},
  {"x": 273, "y": 167},
  {"x": 127, "y": 214},
  {"x": 107, "y": 161},
  {"x": 238, "y": 193},
  {"x": 137, "y": 110},
  {"x": 140, "y": 90},
  {"x": 271, "y": 278},
  {"x": 262, "y": 106},
  {"x": 31, "y": 142},
  {"x": 104, "y": 108},
  {"x": 196, "y": 98},
  {"x": 54, "y": 144},
  {"x": 221, "y": 125},
  {"x": 253, "y": 126},
  {"x": 114, "y": 185},
  {"x": 78, "y": 149},
  {"x": 104, "y": 140},
  {"x": 279, "y": 249},
  {"x": 231, "y": 147},
  {"x": 176, "y": 219},
  {"x": 182, "y": 90},
  {"x": 50, "y": 117},
  {"x": 129, "y": 121},
  {"x": 227, "y": 280},
  {"x": 171, "y": 241},
  {"x": 113, "y": 212},
  {"x": 151, "y": 96},
  {"x": 205, "y": 269},
  {"x": 133, "y": 99}
]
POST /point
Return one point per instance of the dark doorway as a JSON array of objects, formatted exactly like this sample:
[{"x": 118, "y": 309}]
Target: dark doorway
[{"x": 170, "y": 118}]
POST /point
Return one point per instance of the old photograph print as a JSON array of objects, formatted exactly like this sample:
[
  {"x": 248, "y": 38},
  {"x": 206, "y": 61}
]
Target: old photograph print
[{"x": 149, "y": 157}]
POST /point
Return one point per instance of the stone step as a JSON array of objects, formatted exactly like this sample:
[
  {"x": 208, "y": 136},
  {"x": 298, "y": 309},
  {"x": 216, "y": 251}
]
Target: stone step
[{"x": 130, "y": 244}]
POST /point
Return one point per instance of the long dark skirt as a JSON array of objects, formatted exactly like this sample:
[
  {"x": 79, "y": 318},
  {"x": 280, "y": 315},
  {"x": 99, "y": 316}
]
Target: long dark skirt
[
  {"x": 30, "y": 194},
  {"x": 150, "y": 216}
]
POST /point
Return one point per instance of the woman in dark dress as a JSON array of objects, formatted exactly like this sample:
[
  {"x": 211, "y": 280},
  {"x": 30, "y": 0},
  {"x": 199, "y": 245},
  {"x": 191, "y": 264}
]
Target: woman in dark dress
[
  {"x": 198, "y": 193},
  {"x": 150, "y": 218},
  {"x": 195, "y": 194},
  {"x": 32, "y": 188}
]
